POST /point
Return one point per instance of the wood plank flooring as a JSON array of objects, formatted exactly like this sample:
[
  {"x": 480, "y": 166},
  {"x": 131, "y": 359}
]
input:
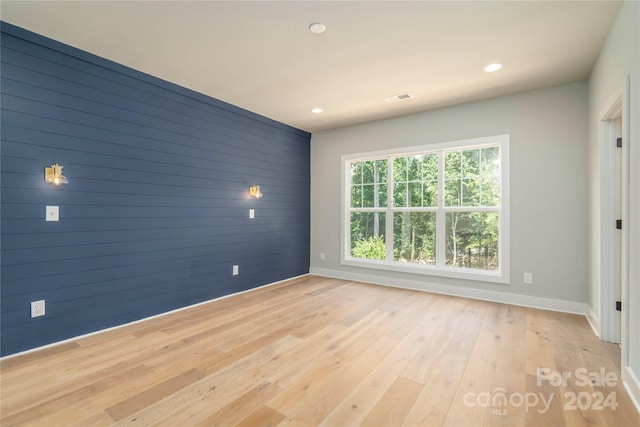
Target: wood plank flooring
[{"x": 325, "y": 352}]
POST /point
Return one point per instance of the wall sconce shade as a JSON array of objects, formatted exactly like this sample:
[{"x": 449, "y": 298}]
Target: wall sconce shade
[
  {"x": 54, "y": 175},
  {"x": 254, "y": 191}
]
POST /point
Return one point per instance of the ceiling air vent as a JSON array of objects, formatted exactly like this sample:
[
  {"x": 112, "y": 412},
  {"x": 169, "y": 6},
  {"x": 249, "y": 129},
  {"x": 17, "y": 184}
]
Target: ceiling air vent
[{"x": 399, "y": 97}]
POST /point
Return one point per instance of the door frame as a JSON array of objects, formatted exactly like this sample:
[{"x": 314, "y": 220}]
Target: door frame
[
  {"x": 610, "y": 238},
  {"x": 618, "y": 107}
]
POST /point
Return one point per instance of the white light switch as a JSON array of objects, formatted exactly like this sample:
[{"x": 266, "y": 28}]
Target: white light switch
[
  {"x": 252, "y": 213},
  {"x": 52, "y": 213},
  {"x": 235, "y": 270}
]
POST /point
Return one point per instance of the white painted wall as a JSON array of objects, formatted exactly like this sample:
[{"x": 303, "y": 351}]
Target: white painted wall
[
  {"x": 548, "y": 131},
  {"x": 619, "y": 57}
]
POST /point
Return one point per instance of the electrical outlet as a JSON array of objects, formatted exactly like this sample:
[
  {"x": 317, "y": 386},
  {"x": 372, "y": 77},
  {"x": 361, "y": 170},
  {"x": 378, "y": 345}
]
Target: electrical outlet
[
  {"x": 322, "y": 257},
  {"x": 252, "y": 213},
  {"x": 37, "y": 308},
  {"x": 235, "y": 270},
  {"x": 528, "y": 278}
]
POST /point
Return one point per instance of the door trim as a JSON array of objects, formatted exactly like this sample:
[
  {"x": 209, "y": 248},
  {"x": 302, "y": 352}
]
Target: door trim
[{"x": 618, "y": 107}]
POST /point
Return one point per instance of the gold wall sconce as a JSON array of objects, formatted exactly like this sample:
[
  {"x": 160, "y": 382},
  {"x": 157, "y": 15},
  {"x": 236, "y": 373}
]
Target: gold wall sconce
[
  {"x": 254, "y": 191},
  {"x": 53, "y": 175}
]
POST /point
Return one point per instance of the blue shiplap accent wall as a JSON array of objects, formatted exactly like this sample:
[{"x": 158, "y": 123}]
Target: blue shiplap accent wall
[{"x": 156, "y": 212}]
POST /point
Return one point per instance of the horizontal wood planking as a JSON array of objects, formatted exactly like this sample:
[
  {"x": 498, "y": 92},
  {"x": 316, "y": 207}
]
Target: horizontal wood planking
[
  {"x": 156, "y": 211},
  {"x": 134, "y": 81}
]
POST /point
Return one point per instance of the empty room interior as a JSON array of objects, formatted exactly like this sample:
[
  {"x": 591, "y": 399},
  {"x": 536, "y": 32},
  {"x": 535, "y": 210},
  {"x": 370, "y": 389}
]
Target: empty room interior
[{"x": 320, "y": 213}]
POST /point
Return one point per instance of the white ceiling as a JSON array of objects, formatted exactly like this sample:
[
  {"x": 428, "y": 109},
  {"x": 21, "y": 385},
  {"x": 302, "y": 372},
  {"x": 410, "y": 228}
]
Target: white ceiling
[{"x": 262, "y": 57}]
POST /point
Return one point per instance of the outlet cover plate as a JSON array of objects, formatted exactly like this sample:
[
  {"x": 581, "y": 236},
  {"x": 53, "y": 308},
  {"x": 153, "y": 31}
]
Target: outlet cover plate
[
  {"x": 37, "y": 308},
  {"x": 52, "y": 213}
]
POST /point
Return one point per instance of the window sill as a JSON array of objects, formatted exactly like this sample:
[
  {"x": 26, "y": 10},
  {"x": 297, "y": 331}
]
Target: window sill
[{"x": 430, "y": 270}]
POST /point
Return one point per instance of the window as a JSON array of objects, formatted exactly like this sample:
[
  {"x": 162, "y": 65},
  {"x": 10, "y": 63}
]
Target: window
[{"x": 438, "y": 209}]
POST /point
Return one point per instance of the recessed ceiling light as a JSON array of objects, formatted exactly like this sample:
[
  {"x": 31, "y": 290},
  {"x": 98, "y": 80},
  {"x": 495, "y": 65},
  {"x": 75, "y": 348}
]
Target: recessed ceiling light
[
  {"x": 317, "y": 110},
  {"x": 317, "y": 28},
  {"x": 492, "y": 67}
]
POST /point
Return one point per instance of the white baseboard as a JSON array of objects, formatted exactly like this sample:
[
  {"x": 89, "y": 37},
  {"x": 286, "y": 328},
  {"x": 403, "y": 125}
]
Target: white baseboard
[
  {"x": 31, "y": 350},
  {"x": 632, "y": 385},
  {"x": 593, "y": 321},
  {"x": 481, "y": 294}
]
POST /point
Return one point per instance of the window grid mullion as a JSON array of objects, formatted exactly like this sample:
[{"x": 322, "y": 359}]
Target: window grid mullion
[
  {"x": 416, "y": 209},
  {"x": 440, "y": 215},
  {"x": 389, "y": 216},
  {"x": 368, "y": 210},
  {"x": 471, "y": 209},
  {"x": 361, "y": 184},
  {"x": 462, "y": 176},
  {"x": 480, "y": 175}
]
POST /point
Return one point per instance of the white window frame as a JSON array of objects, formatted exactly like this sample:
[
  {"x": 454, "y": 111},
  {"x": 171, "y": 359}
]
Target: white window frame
[{"x": 499, "y": 276}]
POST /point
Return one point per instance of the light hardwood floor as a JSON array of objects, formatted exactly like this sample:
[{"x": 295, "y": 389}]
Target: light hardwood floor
[{"x": 318, "y": 351}]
